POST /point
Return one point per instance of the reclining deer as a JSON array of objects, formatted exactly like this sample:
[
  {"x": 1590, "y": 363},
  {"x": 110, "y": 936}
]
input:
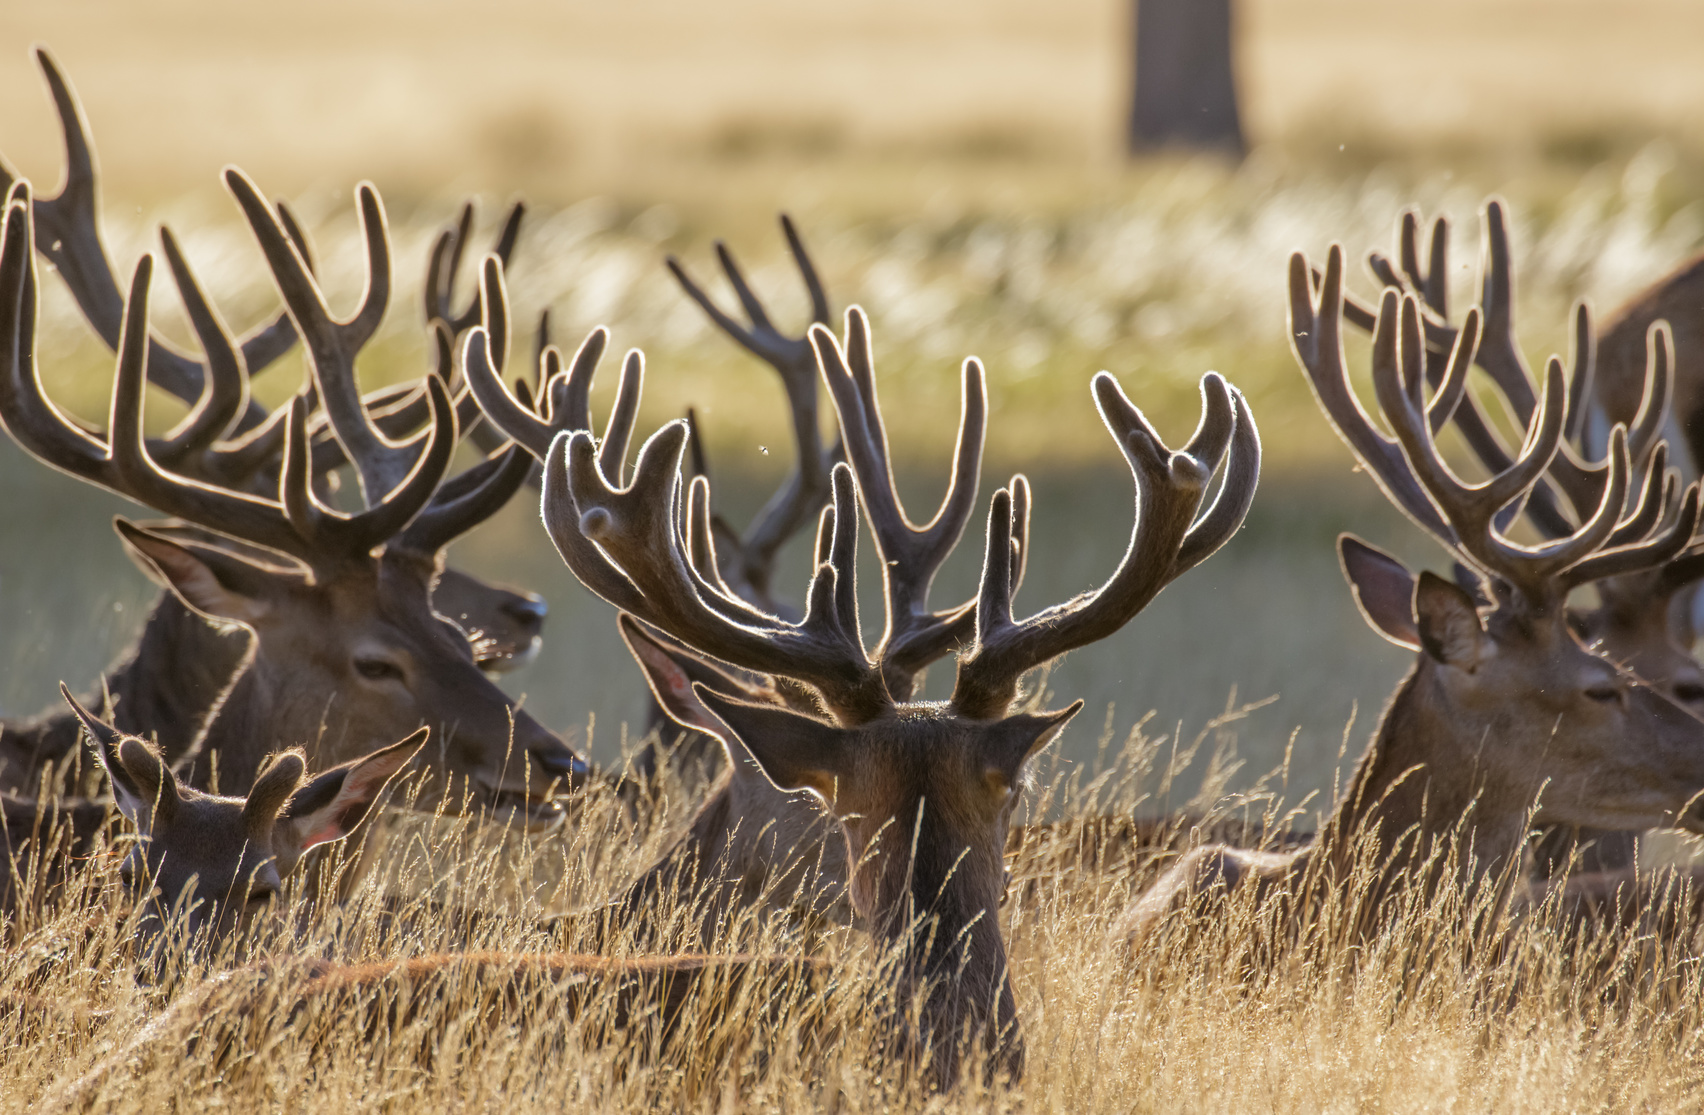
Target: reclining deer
[
  {"x": 167, "y": 684},
  {"x": 923, "y": 791},
  {"x": 1506, "y": 718},
  {"x": 1642, "y": 620},
  {"x": 347, "y": 651},
  {"x": 751, "y": 845}
]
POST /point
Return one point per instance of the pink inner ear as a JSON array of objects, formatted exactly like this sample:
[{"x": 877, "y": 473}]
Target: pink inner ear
[
  {"x": 323, "y": 835},
  {"x": 679, "y": 684},
  {"x": 337, "y": 825}
]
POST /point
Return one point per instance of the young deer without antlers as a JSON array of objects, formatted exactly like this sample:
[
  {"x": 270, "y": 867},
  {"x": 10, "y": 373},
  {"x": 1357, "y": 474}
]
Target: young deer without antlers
[
  {"x": 1505, "y": 717},
  {"x": 923, "y": 791},
  {"x": 347, "y": 650},
  {"x": 208, "y": 865},
  {"x": 1641, "y": 620},
  {"x": 167, "y": 684}
]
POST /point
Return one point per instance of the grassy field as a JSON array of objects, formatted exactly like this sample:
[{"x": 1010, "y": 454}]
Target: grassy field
[{"x": 955, "y": 169}]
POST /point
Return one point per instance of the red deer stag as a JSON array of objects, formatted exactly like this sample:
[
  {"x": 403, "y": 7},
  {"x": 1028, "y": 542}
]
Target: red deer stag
[
  {"x": 923, "y": 791},
  {"x": 752, "y": 845},
  {"x": 1641, "y": 620},
  {"x": 1505, "y": 717},
  {"x": 165, "y": 686},
  {"x": 347, "y": 651}
]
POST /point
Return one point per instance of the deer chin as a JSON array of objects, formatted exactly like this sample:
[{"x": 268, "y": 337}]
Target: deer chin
[
  {"x": 517, "y": 808},
  {"x": 1691, "y": 819},
  {"x": 496, "y": 662}
]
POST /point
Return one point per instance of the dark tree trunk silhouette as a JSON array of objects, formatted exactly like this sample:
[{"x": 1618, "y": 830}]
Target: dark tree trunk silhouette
[{"x": 1185, "y": 90}]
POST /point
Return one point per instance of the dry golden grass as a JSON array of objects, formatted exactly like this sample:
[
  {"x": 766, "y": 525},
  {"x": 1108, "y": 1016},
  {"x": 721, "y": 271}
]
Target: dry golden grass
[
  {"x": 955, "y": 168},
  {"x": 1426, "y": 1015}
]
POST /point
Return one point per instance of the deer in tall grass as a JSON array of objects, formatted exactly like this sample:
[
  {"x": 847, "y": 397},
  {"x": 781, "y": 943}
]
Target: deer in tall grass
[
  {"x": 1505, "y": 718},
  {"x": 207, "y": 872},
  {"x": 166, "y": 684},
  {"x": 346, "y": 651},
  {"x": 751, "y": 844},
  {"x": 1642, "y": 620},
  {"x": 923, "y": 791}
]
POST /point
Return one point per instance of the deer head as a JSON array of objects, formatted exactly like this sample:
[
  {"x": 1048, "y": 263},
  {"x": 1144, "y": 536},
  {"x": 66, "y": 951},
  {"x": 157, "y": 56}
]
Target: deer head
[
  {"x": 218, "y": 862},
  {"x": 1641, "y": 620},
  {"x": 505, "y": 624},
  {"x": 1505, "y": 707},
  {"x": 348, "y": 651}
]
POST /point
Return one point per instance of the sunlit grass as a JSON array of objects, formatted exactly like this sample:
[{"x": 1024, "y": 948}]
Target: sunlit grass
[{"x": 1452, "y": 1003}]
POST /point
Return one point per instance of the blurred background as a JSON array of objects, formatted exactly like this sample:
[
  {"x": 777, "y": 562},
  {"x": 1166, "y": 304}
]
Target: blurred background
[{"x": 977, "y": 174}]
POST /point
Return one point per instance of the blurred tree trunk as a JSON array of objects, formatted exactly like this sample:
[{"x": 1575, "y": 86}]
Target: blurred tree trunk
[{"x": 1185, "y": 89}]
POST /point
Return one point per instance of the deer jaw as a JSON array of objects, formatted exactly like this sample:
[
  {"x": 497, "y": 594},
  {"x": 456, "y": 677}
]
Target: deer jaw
[{"x": 1549, "y": 727}]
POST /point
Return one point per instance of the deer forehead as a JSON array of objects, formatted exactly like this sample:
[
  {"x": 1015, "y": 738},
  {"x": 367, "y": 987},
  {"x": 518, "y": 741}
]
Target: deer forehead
[{"x": 208, "y": 837}]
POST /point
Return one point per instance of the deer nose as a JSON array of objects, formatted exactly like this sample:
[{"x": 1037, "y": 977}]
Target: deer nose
[
  {"x": 559, "y": 762},
  {"x": 528, "y": 609}
]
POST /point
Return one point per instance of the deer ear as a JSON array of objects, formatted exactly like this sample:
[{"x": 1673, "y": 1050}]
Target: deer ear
[
  {"x": 1384, "y": 590},
  {"x": 272, "y": 787},
  {"x": 1449, "y": 625},
  {"x": 796, "y": 751},
  {"x": 671, "y": 670},
  {"x": 133, "y": 801},
  {"x": 332, "y": 805},
  {"x": 220, "y": 586},
  {"x": 1017, "y": 738},
  {"x": 142, "y": 783}
]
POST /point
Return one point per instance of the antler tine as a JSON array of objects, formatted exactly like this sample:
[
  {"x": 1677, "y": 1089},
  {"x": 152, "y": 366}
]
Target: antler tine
[
  {"x": 468, "y": 499},
  {"x": 1169, "y": 488},
  {"x": 333, "y": 534},
  {"x": 237, "y": 514},
  {"x": 1316, "y": 338},
  {"x": 68, "y": 233},
  {"x": 1583, "y": 358},
  {"x": 225, "y": 394},
  {"x": 807, "y": 486},
  {"x": 1472, "y": 510},
  {"x": 441, "y": 274},
  {"x": 910, "y": 555},
  {"x": 1661, "y": 550},
  {"x": 618, "y": 428},
  {"x": 625, "y": 544},
  {"x": 1581, "y": 482},
  {"x": 29, "y": 415},
  {"x": 565, "y": 403},
  {"x": 820, "y": 311},
  {"x": 1242, "y": 473},
  {"x": 332, "y": 344},
  {"x": 1657, "y": 502}
]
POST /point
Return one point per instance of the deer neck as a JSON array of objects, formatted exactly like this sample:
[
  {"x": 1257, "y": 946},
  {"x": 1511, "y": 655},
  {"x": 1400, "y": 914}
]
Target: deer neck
[
  {"x": 181, "y": 666},
  {"x": 936, "y": 904},
  {"x": 162, "y": 689},
  {"x": 1419, "y": 786},
  {"x": 243, "y": 728}
]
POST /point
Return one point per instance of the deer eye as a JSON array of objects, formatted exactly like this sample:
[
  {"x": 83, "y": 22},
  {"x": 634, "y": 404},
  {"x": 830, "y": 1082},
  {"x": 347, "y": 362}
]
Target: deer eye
[
  {"x": 1689, "y": 692},
  {"x": 1603, "y": 694},
  {"x": 378, "y": 669}
]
